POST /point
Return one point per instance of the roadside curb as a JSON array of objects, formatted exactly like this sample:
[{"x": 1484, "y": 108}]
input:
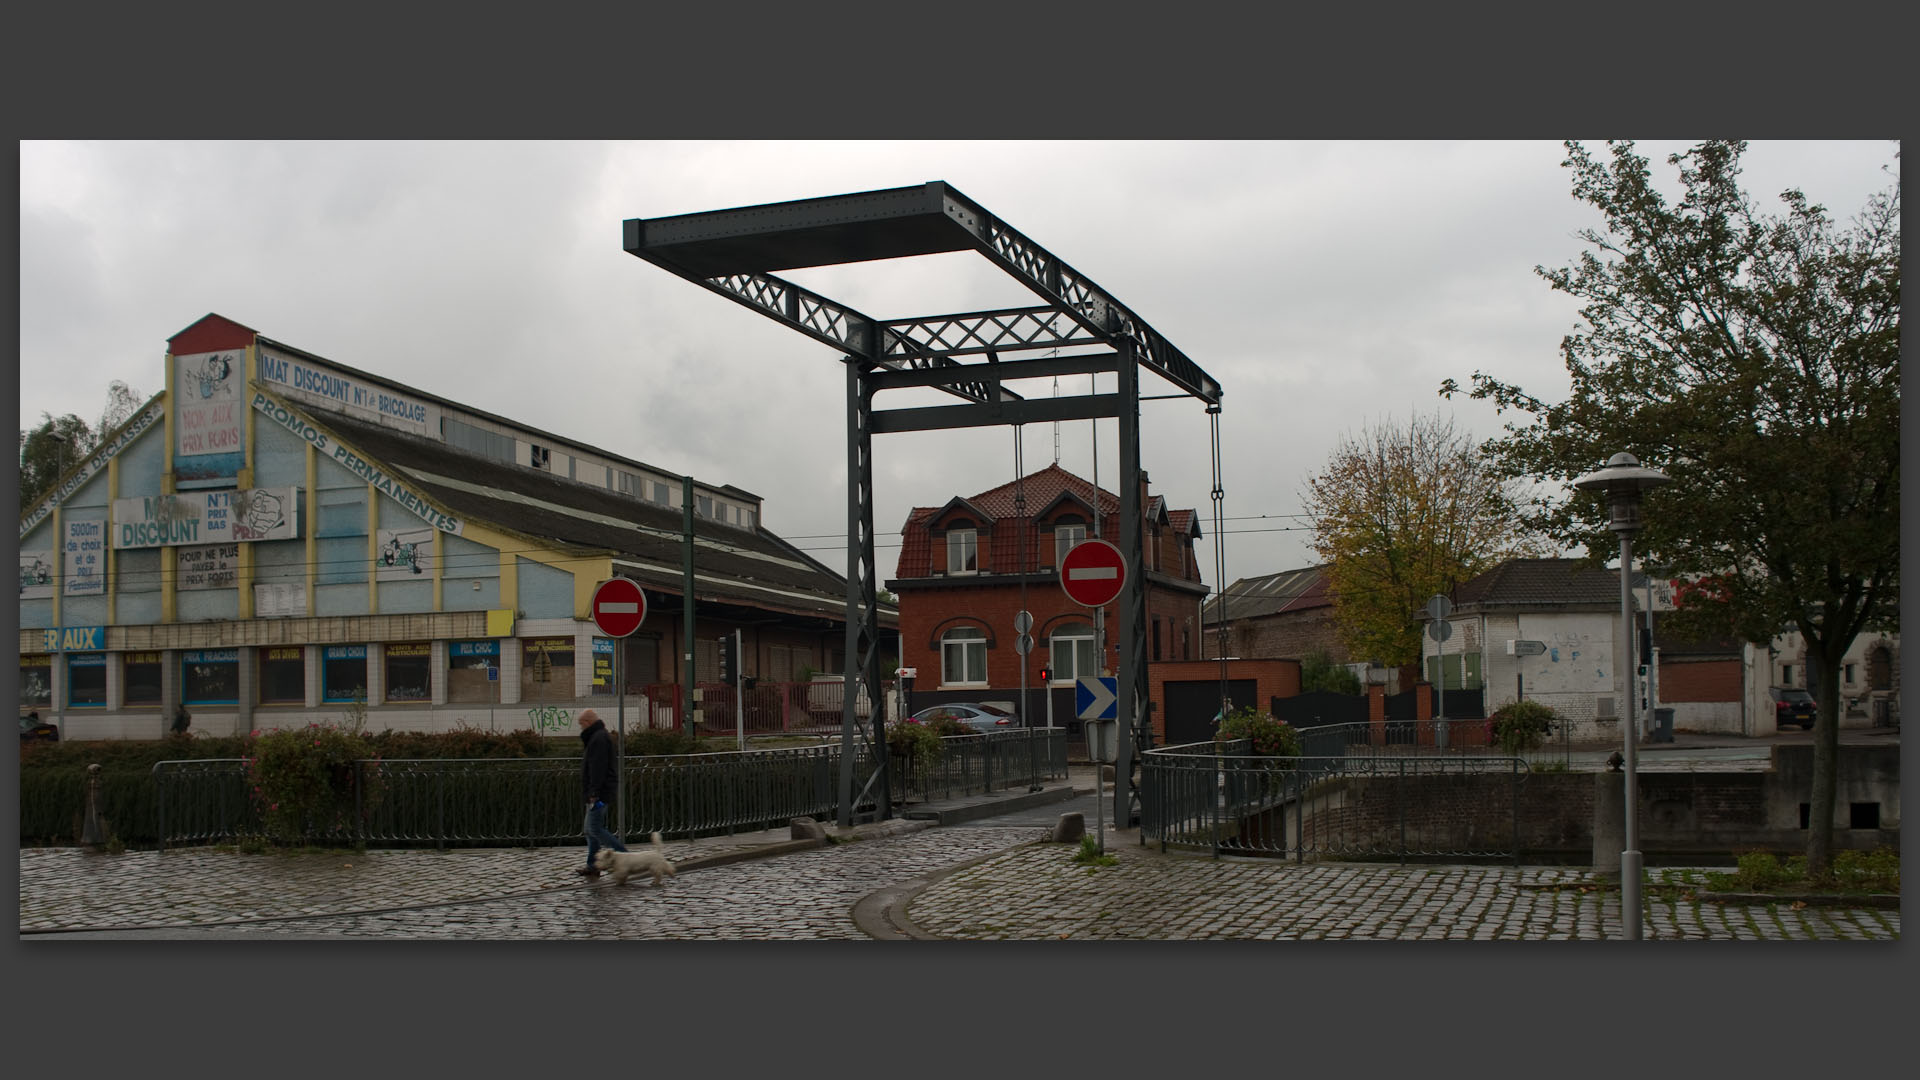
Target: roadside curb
[
  {"x": 882, "y": 914},
  {"x": 974, "y": 809}
]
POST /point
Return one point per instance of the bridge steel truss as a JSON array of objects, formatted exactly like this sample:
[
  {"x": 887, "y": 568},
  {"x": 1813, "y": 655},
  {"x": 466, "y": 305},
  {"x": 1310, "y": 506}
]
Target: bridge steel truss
[{"x": 971, "y": 356}]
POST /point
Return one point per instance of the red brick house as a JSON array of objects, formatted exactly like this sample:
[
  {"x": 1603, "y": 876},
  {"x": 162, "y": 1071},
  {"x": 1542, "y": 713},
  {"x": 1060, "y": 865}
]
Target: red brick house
[{"x": 960, "y": 577}]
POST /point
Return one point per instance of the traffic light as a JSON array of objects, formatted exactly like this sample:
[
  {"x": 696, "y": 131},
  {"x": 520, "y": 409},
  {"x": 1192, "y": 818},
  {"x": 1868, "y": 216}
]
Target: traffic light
[
  {"x": 1046, "y": 676},
  {"x": 729, "y": 658}
]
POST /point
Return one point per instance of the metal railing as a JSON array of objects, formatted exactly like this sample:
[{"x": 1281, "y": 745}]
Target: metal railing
[
  {"x": 977, "y": 764},
  {"x": 1352, "y": 806},
  {"x": 515, "y": 801},
  {"x": 1427, "y": 738}
]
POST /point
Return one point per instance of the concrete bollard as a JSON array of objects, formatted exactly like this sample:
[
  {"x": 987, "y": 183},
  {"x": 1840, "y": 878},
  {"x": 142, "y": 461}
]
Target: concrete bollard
[
  {"x": 92, "y": 832},
  {"x": 1070, "y": 828},
  {"x": 1609, "y": 821}
]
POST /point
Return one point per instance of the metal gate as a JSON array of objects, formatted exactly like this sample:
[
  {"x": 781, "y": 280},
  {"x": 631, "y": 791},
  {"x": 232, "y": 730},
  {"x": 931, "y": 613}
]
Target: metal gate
[{"x": 1191, "y": 707}]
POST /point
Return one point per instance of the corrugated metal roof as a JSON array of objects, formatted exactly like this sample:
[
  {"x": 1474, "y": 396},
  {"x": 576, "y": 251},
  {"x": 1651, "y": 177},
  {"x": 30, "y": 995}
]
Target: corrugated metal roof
[
  {"x": 1270, "y": 594},
  {"x": 752, "y": 567}
]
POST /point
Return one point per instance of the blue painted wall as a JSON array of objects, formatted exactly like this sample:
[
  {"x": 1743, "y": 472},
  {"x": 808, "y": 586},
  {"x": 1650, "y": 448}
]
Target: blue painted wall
[
  {"x": 140, "y": 463},
  {"x": 545, "y": 593},
  {"x": 199, "y": 605},
  {"x": 405, "y": 597},
  {"x": 464, "y": 563},
  {"x": 279, "y": 457}
]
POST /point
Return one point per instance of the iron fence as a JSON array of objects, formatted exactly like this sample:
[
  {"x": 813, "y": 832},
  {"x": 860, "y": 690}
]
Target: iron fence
[
  {"x": 515, "y": 801},
  {"x": 1351, "y": 806},
  {"x": 1429, "y": 738},
  {"x": 977, "y": 764}
]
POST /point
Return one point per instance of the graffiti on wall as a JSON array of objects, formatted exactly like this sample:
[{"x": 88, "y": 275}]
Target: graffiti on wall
[{"x": 549, "y": 718}]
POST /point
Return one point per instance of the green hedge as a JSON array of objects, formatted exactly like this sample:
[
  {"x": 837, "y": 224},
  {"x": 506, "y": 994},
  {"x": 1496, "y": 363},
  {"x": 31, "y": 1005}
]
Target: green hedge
[{"x": 53, "y": 775}]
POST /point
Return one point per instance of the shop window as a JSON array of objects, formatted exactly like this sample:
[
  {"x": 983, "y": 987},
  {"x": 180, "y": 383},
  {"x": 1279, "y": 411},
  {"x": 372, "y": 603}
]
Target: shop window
[
  {"x": 643, "y": 661},
  {"x": 473, "y": 672},
  {"x": 546, "y": 669},
  {"x": 343, "y": 674},
  {"x": 36, "y": 680},
  {"x": 210, "y": 677},
  {"x": 86, "y": 680},
  {"x": 409, "y": 671},
  {"x": 142, "y": 678},
  {"x": 603, "y": 666},
  {"x": 283, "y": 675}
]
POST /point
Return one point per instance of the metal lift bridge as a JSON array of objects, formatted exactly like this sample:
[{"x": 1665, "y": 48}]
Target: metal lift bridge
[{"x": 972, "y": 355}]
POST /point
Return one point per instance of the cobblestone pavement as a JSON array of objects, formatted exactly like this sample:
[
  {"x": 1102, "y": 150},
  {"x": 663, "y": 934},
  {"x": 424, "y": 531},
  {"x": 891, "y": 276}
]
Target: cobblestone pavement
[
  {"x": 801, "y": 895},
  {"x": 967, "y": 882},
  {"x": 1039, "y": 892}
]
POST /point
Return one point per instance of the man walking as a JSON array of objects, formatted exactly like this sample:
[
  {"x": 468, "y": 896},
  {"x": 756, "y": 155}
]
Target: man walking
[{"x": 597, "y": 777}]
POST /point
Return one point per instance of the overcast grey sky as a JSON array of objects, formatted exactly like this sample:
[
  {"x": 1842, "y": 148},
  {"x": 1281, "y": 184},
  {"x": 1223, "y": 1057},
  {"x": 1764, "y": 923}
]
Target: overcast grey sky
[{"x": 1324, "y": 285}]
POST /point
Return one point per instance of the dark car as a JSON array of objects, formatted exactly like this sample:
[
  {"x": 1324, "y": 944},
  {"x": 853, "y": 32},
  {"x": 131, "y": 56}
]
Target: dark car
[
  {"x": 977, "y": 717},
  {"x": 32, "y": 727},
  {"x": 1793, "y": 707}
]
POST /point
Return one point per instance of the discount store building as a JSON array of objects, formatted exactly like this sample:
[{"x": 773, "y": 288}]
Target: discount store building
[{"x": 277, "y": 538}]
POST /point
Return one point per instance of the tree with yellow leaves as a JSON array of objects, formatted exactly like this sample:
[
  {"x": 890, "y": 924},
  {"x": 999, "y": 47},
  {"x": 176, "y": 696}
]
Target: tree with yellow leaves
[{"x": 1402, "y": 512}]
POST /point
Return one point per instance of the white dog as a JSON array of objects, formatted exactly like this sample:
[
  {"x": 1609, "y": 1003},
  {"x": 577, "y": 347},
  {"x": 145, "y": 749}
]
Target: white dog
[{"x": 624, "y": 864}]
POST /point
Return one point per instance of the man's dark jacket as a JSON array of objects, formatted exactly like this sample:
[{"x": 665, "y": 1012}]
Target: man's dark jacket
[{"x": 596, "y": 768}]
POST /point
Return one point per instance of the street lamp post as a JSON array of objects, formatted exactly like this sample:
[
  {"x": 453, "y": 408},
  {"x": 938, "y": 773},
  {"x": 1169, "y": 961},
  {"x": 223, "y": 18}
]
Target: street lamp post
[{"x": 1623, "y": 481}]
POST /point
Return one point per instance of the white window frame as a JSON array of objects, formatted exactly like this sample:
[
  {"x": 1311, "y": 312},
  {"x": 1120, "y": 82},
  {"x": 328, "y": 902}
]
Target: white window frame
[
  {"x": 961, "y": 542},
  {"x": 1075, "y": 643},
  {"x": 1064, "y": 539},
  {"x": 969, "y": 644}
]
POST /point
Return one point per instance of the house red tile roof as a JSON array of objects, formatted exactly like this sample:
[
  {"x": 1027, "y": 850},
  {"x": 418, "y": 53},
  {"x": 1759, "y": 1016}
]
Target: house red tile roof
[
  {"x": 1040, "y": 490},
  {"x": 1536, "y": 582}
]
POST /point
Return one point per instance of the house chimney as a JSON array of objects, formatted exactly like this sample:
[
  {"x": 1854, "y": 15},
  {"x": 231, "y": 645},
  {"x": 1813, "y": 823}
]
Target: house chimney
[{"x": 1143, "y": 491}]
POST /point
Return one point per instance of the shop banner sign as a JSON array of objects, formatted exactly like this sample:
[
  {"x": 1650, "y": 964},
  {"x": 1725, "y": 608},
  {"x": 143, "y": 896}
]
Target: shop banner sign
[
  {"x": 207, "y": 420},
  {"x": 207, "y": 517},
  {"x": 214, "y": 567},
  {"x": 86, "y": 558}
]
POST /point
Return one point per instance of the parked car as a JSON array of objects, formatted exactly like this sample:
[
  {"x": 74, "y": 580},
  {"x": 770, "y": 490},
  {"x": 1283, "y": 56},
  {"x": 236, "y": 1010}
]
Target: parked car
[
  {"x": 1793, "y": 707},
  {"x": 32, "y": 727},
  {"x": 977, "y": 717}
]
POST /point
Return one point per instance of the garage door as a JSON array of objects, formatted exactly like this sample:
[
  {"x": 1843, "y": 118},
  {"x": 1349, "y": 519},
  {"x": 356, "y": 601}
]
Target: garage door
[{"x": 1191, "y": 707}]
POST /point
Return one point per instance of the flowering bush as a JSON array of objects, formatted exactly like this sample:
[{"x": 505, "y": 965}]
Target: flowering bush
[
  {"x": 1269, "y": 737},
  {"x": 302, "y": 780},
  {"x": 1520, "y": 725}
]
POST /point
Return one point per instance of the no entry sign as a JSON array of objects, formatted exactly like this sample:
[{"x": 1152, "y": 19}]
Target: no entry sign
[
  {"x": 619, "y": 607},
  {"x": 1093, "y": 573}
]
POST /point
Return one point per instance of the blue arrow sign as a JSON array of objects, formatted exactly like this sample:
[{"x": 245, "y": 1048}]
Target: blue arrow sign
[{"x": 1096, "y": 698}]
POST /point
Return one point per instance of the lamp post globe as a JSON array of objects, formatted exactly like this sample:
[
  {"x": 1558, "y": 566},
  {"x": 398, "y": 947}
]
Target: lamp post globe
[{"x": 1624, "y": 480}]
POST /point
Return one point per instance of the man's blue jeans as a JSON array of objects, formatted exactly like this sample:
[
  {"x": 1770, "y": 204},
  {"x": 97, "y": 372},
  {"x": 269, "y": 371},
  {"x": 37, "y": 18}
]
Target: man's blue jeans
[{"x": 597, "y": 834}]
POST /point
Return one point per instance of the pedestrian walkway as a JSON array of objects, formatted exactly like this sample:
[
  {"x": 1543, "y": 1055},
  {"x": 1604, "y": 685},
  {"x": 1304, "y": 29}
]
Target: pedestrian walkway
[{"x": 902, "y": 878}]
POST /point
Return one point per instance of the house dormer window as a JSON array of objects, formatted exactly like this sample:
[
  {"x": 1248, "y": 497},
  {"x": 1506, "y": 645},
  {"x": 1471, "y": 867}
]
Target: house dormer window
[
  {"x": 963, "y": 551},
  {"x": 1064, "y": 538}
]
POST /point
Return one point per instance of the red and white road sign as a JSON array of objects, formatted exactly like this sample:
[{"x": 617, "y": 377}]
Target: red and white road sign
[
  {"x": 1093, "y": 573},
  {"x": 619, "y": 607}
]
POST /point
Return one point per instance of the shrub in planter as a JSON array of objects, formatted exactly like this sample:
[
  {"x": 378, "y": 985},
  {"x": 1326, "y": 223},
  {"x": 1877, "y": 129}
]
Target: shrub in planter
[
  {"x": 1520, "y": 726},
  {"x": 919, "y": 744},
  {"x": 1268, "y": 737},
  {"x": 302, "y": 780}
]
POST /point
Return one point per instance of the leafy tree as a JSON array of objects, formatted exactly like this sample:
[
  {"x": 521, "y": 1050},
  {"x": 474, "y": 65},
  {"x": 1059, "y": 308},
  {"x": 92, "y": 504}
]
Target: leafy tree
[
  {"x": 47, "y": 451},
  {"x": 1319, "y": 672},
  {"x": 1754, "y": 358},
  {"x": 1400, "y": 513},
  {"x": 43, "y": 458}
]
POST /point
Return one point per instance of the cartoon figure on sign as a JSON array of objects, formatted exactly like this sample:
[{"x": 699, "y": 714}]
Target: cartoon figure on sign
[
  {"x": 212, "y": 376},
  {"x": 398, "y": 554},
  {"x": 36, "y": 573},
  {"x": 258, "y": 512}
]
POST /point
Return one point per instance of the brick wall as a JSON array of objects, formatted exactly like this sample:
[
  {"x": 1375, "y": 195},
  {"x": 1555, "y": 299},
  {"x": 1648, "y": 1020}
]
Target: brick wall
[
  {"x": 1290, "y": 635},
  {"x": 1272, "y": 678},
  {"x": 1680, "y": 813}
]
